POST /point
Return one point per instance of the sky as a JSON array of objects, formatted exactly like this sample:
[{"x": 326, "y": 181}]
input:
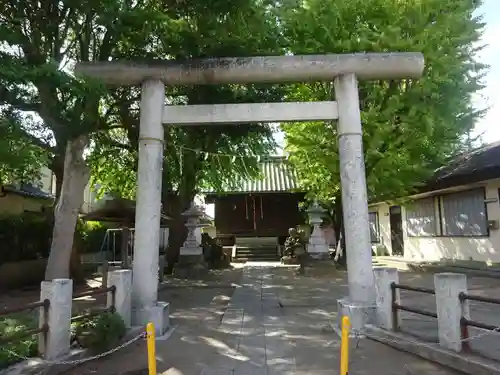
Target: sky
[{"x": 487, "y": 128}]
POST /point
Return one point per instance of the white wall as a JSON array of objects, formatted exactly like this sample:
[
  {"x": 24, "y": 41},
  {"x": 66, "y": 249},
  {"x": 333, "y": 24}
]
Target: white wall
[
  {"x": 384, "y": 226},
  {"x": 89, "y": 199},
  {"x": 48, "y": 185},
  {"x": 484, "y": 249},
  {"x": 47, "y": 181}
]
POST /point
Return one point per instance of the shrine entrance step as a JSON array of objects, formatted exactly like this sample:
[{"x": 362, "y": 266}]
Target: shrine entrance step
[{"x": 256, "y": 254}]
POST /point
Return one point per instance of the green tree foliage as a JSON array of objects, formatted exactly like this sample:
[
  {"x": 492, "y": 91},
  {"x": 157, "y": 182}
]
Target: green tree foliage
[
  {"x": 20, "y": 160},
  {"x": 410, "y": 126},
  {"x": 225, "y": 28},
  {"x": 242, "y": 28},
  {"x": 41, "y": 41}
]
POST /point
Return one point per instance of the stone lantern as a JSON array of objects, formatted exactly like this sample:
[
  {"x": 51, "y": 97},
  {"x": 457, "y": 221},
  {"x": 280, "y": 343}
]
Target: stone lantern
[
  {"x": 317, "y": 246},
  {"x": 191, "y": 262}
]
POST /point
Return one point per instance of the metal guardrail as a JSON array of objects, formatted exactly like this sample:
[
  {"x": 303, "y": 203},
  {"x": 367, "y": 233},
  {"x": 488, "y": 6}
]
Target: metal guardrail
[
  {"x": 466, "y": 323},
  {"x": 396, "y": 306},
  {"x": 18, "y": 336},
  {"x": 95, "y": 311}
]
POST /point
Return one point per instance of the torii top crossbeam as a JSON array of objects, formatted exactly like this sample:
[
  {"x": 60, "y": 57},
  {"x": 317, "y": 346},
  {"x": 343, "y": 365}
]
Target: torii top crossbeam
[{"x": 263, "y": 69}]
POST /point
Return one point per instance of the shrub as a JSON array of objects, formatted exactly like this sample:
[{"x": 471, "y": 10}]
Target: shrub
[
  {"x": 92, "y": 234},
  {"x": 100, "y": 332},
  {"x": 16, "y": 351},
  {"x": 24, "y": 237}
]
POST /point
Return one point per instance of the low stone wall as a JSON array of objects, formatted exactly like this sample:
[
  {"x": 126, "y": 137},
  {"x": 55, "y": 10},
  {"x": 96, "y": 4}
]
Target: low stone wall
[{"x": 19, "y": 274}]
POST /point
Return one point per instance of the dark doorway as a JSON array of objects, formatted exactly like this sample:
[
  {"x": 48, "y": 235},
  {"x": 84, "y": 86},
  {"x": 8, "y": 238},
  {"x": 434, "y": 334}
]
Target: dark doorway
[
  {"x": 236, "y": 211},
  {"x": 396, "y": 222},
  {"x": 256, "y": 215}
]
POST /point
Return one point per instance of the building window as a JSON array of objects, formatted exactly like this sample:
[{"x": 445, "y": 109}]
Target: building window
[
  {"x": 374, "y": 227},
  {"x": 464, "y": 214},
  {"x": 421, "y": 218}
]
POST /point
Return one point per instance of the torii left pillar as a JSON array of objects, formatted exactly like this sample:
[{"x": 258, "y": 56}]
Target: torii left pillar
[{"x": 145, "y": 305}]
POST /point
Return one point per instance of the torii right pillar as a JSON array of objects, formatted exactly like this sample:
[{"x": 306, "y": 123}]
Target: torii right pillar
[{"x": 360, "y": 305}]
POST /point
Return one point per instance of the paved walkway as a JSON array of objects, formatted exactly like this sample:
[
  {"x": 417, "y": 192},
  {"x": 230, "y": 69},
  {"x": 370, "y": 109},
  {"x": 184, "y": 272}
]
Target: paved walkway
[
  {"x": 275, "y": 323},
  {"x": 278, "y": 327}
]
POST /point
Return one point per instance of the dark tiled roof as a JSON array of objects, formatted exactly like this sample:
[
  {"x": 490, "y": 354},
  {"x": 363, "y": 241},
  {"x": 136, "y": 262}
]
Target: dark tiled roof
[
  {"x": 477, "y": 165},
  {"x": 276, "y": 175},
  {"x": 27, "y": 190},
  {"x": 115, "y": 210}
]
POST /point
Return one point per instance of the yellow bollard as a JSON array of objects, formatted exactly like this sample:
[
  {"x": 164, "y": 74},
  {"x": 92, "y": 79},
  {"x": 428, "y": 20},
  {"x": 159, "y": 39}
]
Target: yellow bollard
[
  {"x": 150, "y": 337},
  {"x": 344, "y": 346}
]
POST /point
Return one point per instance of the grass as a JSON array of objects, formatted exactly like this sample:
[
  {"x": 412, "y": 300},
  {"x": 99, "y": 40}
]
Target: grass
[{"x": 14, "y": 352}]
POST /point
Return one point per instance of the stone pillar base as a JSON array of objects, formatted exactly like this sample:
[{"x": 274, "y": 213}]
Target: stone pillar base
[
  {"x": 190, "y": 267},
  {"x": 318, "y": 263},
  {"x": 158, "y": 314},
  {"x": 60, "y": 293},
  {"x": 320, "y": 256},
  {"x": 317, "y": 248},
  {"x": 359, "y": 315},
  {"x": 122, "y": 281},
  {"x": 288, "y": 260}
]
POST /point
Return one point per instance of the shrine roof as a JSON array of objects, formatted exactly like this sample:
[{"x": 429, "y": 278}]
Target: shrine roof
[{"x": 276, "y": 175}]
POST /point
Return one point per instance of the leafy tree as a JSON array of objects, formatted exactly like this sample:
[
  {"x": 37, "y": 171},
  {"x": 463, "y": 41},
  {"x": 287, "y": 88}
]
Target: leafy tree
[
  {"x": 240, "y": 28},
  {"x": 20, "y": 160},
  {"x": 410, "y": 126},
  {"x": 40, "y": 41}
]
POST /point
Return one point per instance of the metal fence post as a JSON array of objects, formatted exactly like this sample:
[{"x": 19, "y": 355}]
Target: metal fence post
[{"x": 394, "y": 307}]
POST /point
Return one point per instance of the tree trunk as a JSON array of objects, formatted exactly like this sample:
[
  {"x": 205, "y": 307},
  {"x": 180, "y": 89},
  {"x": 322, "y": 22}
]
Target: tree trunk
[
  {"x": 75, "y": 177},
  {"x": 177, "y": 236},
  {"x": 75, "y": 268},
  {"x": 57, "y": 167},
  {"x": 175, "y": 207}
]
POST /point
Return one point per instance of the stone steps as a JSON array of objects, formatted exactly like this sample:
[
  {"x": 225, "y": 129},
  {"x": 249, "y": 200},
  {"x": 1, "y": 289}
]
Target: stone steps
[{"x": 256, "y": 253}]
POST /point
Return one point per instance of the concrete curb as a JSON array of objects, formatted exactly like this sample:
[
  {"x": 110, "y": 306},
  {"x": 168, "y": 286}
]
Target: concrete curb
[
  {"x": 466, "y": 363},
  {"x": 34, "y": 366},
  {"x": 435, "y": 268},
  {"x": 165, "y": 285},
  {"x": 466, "y": 270}
]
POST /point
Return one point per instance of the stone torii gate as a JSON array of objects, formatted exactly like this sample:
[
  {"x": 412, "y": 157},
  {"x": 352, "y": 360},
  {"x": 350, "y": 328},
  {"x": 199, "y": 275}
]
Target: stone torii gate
[{"x": 345, "y": 70}]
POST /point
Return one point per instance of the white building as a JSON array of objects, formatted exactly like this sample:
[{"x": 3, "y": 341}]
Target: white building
[
  {"x": 48, "y": 185},
  {"x": 456, "y": 216}
]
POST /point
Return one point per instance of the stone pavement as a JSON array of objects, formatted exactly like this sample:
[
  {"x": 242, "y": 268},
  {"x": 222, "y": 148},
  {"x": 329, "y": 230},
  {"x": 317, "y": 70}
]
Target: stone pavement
[
  {"x": 275, "y": 323},
  {"x": 279, "y": 325}
]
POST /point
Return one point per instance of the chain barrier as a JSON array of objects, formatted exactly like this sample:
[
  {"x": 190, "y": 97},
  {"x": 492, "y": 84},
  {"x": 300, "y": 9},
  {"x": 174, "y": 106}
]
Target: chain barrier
[
  {"x": 370, "y": 332},
  {"x": 80, "y": 361},
  {"x": 468, "y": 339},
  {"x": 142, "y": 335}
]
